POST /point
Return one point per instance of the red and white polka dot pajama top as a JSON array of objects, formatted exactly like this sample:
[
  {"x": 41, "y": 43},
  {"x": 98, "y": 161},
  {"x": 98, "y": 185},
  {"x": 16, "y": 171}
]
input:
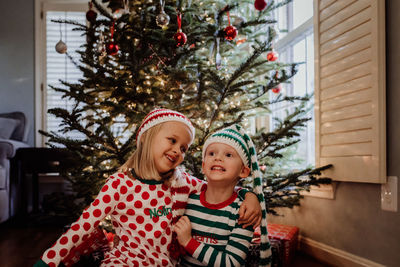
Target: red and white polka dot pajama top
[{"x": 141, "y": 211}]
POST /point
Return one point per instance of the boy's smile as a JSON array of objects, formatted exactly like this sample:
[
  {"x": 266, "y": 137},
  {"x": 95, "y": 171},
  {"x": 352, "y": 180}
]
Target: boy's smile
[{"x": 217, "y": 168}]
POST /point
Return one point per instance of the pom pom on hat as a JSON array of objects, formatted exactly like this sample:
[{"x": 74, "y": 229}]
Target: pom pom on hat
[
  {"x": 236, "y": 137},
  {"x": 161, "y": 115}
]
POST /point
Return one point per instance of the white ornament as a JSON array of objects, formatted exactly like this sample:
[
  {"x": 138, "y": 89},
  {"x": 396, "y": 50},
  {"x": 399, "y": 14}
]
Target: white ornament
[{"x": 61, "y": 47}]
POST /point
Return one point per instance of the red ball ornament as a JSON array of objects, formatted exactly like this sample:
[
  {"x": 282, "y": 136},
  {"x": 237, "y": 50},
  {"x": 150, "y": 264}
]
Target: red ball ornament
[
  {"x": 230, "y": 32},
  {"x": 180, "y": 38},
  {"x": 112, "y": 48},
  {"x": 277, "y": 89},
  {"x": 91, "y": 16},
  {"x": 272, "y": 56},
  {"x": 260, "y": 4}
]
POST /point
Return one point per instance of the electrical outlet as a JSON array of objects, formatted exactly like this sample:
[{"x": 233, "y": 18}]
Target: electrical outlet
[{"x": 389, "y": 194}]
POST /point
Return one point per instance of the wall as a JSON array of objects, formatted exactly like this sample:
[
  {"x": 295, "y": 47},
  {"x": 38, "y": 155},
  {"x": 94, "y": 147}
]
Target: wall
[
  {"x": 354, "y": 221},
  {"x": 17, "y": 59}
]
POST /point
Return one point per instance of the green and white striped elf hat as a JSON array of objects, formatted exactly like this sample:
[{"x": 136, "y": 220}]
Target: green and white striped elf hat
[{"x": 236, "y": 137}]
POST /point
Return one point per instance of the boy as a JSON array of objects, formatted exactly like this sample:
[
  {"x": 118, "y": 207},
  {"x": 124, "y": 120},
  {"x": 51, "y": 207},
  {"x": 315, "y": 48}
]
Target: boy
[{"x": 210, "y": 232}]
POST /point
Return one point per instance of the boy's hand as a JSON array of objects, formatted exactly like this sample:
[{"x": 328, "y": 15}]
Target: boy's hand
[
  {"x": 183, "y": 230},
  {"x": 250, "y": 211}
]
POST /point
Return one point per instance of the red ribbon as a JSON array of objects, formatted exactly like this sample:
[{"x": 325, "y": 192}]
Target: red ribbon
[
  {"x": 179, "y": 19},
  {"x": 112, "y": 30}
]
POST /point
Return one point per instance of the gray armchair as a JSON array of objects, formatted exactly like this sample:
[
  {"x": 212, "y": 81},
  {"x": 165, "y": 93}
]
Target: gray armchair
[{"x": 14, "y": 130}]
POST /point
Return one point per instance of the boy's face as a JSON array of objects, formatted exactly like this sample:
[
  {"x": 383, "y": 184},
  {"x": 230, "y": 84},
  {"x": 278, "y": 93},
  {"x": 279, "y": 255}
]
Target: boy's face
[
  {"x": 222, "y": 163},
  {"x": 170, "y": 145}
]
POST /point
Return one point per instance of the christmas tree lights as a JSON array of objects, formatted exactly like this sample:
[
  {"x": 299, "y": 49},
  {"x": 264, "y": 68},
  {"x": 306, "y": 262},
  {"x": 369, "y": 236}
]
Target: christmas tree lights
[{"x": 214, "y": 81}]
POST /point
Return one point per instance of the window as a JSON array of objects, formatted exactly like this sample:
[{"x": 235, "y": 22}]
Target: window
[
  {"x": 348, "y": 78},
  {"x": 51, "y": 67},
  {"x": 295, "y": 43}
]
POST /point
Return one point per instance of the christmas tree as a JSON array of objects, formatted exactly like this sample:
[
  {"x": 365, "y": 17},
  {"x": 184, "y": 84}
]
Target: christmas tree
[{"x": 211, "y": 60}]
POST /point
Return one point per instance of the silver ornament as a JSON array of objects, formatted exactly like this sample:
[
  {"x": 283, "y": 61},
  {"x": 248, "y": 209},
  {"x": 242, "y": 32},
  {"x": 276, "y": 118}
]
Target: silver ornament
[
  {"x": 238, "y": 21},
  {"x": 61, "y": 47},
  {"x": 162, "y": 19}
]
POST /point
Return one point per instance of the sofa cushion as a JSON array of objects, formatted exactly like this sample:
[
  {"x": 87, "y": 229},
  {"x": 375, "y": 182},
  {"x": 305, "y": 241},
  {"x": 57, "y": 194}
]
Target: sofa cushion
[{"x": 7, "y": 127}]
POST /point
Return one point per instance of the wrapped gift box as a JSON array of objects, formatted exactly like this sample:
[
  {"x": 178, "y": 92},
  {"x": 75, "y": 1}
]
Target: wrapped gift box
[
  {"x": 283, "y": 239},
  {"x": 287, "y": 236}
]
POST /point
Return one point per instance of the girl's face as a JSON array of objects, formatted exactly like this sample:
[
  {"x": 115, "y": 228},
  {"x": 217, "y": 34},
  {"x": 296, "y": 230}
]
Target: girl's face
[{"x": 170, "y": 145}]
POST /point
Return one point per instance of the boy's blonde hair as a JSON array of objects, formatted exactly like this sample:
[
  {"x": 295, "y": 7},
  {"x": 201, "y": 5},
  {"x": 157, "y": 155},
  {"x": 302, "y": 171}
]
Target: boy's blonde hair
[{"x": 142, "y": 160}]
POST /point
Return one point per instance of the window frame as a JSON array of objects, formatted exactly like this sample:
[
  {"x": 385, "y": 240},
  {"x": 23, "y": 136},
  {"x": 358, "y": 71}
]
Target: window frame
[
  {"x": 287, "y": 42},
  {"x": 291, "y": 38}
]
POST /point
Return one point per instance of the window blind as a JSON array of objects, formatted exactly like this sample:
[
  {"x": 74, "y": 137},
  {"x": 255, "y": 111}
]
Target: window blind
[{"x": 59, "y": 66}]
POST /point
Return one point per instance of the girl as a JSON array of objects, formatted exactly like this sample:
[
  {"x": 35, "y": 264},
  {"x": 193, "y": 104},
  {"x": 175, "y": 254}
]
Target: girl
[{"x": 144, "y": 199}]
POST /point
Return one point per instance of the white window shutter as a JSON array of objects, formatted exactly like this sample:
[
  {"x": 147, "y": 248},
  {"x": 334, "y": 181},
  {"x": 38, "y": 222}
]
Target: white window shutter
[{"x": 350, "y": 117}]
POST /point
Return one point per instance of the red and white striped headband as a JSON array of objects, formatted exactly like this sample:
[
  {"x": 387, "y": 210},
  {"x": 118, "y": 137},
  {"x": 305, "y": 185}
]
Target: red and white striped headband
[{"x": 161, "y": 115}]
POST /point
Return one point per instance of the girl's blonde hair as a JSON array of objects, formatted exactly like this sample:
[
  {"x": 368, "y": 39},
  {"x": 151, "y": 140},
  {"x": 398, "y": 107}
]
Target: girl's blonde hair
[{"x": 142, "y": 160}]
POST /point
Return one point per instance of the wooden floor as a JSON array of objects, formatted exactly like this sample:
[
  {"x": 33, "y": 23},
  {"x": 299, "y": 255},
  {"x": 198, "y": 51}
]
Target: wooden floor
[{"x": 22, "y": 246}]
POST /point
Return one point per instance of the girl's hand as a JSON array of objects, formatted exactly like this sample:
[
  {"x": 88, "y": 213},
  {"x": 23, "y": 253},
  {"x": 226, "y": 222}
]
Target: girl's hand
[
  {"x": 183, "y": 230},
  {"x": 250, "y": 211}
]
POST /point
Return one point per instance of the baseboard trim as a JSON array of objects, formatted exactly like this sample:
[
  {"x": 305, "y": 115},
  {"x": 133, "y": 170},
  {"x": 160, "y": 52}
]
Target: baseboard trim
[{"x": 333, "y": 256}]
